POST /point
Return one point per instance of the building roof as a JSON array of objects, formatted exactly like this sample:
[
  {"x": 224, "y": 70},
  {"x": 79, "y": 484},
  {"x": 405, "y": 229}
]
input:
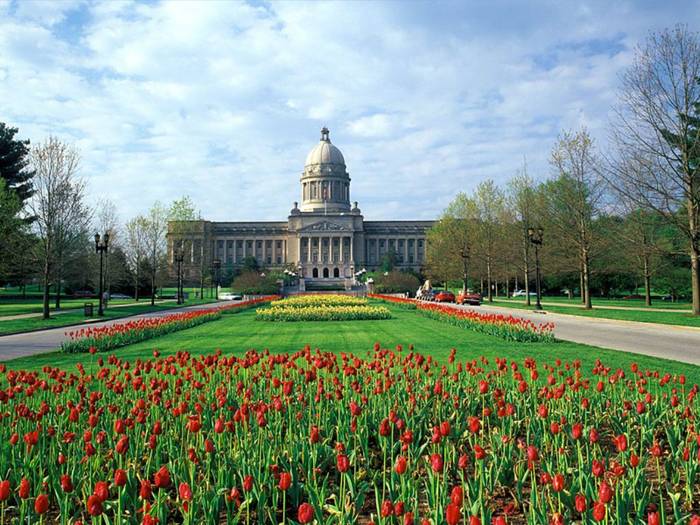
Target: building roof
[
  {"x": 397, "y": 227},
  {"x": 324, "y": 152}
]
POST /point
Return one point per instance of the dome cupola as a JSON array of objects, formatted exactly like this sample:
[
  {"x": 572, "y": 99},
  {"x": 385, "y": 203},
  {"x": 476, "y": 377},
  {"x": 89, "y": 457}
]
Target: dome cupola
[{"x": 325, "y": 182}]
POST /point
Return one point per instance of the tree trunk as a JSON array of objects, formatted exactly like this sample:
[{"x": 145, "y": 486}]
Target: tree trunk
[
  {"x": 695, "y": 276},
  {"x": 58, "y": 292},
  {"x": 47, "y": 272},
  {"x": 581, "y": 285},
  {"x": 647, "y": 282},
  {"x": 586, "y": 281},
  {"x": 526, "y": 260},
  {"x": 136, "y": 284},
  {"x": 488, "y": 279},
  {"x": 153, "y": 278}
]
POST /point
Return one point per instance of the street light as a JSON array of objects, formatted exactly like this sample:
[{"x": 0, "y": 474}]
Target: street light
[
  {"x": 535, "y": 235},
  {"x": 101, "y": 248},
  {"x": 179, "y": 258},
  {"x": 216, "y": 265}
]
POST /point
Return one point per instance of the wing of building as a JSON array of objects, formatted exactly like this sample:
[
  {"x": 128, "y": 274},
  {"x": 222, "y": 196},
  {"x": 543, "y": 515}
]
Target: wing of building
[{"x": 326, "y": 239}]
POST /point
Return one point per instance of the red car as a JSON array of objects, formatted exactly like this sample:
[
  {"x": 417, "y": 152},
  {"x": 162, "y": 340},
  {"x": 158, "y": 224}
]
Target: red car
[
  {"x": 471, "y": 298},
  {"x": 443, "y": 296}
]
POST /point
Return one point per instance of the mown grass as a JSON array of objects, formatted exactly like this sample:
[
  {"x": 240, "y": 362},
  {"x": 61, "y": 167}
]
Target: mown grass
[
  {"x": 34, "y": 305},
  {"x": 643, "y": 316},
  {"x": 14, "y": 326},
  {"x": 235, "y": 334}
]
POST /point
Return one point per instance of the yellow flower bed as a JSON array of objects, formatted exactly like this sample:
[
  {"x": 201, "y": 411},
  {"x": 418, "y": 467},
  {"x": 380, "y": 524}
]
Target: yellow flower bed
[
  {"x": 321, "y": 313},
  {"x": 303, "y": 301}
]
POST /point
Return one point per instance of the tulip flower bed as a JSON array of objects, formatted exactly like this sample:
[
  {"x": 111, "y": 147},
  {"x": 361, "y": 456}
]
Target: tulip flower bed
[
  {"x": 506, "y": 327},
  {"x": 321, "y": 313},
  {"x": 303, "y": 301},
  {"x": 402, "y": 302},
  {"x": 392, "y": 438},
  {"x": 105, "y": 338}
]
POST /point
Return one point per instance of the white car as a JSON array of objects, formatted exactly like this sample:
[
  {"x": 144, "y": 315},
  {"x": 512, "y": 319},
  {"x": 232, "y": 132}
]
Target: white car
[
  {"x": 227, "y": 296},
  {"x": 521, "y": 293}
]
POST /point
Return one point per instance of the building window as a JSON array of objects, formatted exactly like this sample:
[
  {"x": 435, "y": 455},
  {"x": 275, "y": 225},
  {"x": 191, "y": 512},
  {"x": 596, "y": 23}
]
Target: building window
[
  {"x": 279, "y": 245},
  {"x": 269, "y": 259},
  {"x": 279, "y": 259}
]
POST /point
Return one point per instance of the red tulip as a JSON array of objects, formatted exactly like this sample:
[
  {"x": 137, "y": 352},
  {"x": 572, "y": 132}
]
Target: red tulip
[
  {"x": 474, "y": 520},
  {"x": 621, "y": 442},
  {"x": 499, "y": 520},
  {"x": 161, "y": 478},
  {"x": 599, "y": 511},
  {"x": 343, "y": 463},
  {"x": 314, "y": 435},
  {"x": 66, "y": 484},
  {"x": 400, "y": 466},
  {"x": 605, "y": 493},
  {"x": 24, "y": 488},
  {"x": 387, "y": 508},
  {"x": 285, "y": 481},
  {"x": 185, "y": 492},
  {"x": 305, "y": 513},
  {"x": 436, "y": 463},
  {"x": 101, "y": 490},
  {"x": 248, "y": 483},
  {"x": 558, "y": 482},
  {"x": 94, "y": 505},
  {"x": 474, "y": 424},
  {"x": 453, "y": 515},
  {"x": 457, "y": 495},
  {"x": 4, "y": 490},
  {"x": 653, "y": 518},
  {"x": 41, "y": 504},
  {"x": 145, "y": 491},
  {"x": 580, "y": 503},
  {"x": 120, "y": 477}
]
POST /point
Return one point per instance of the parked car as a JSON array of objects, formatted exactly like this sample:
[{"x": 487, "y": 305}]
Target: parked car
[
  {"x": 521, "y": 293},
  {"x": 228, "y": 296},
  {"x": 425, "y": 295},
  {"x": 469, "y": 297},
  {"x": 444, "y": 296}
]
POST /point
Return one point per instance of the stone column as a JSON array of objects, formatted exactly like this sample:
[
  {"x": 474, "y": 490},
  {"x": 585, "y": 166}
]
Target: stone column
[
  {"x": 405, "y": 252},
  {"x": 330, "y": 249},
  {"x": 352, "y": 255},
  {"x": 245, "y": 248},
  {"x": 233, "y": 254}
]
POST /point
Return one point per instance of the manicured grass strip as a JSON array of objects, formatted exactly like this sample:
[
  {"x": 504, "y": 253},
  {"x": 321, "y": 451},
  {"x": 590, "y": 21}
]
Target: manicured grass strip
[
  {"x": 105, "y": 338},
  {"x": 235, "y": 334},
  {"x": 29, "y": 324}
]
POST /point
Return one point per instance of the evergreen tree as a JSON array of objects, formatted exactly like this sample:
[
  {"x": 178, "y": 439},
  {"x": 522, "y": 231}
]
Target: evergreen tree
[{"x": 14, "y": 163}]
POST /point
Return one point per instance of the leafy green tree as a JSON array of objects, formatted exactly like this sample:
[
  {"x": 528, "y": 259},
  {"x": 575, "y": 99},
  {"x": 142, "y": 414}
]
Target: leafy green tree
[
  {"x": 253, "y": 283},
  {"x": 389, "y": 260},
  {"x": 11, "y": 226},
  {"x": 396, "y": 282},
  {"x": 15, "y": 168},
  {"x": 250, "y": 264}
]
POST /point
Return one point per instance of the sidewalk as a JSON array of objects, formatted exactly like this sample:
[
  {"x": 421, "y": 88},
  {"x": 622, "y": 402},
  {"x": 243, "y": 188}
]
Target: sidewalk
[{"x": 71, "y": 310}]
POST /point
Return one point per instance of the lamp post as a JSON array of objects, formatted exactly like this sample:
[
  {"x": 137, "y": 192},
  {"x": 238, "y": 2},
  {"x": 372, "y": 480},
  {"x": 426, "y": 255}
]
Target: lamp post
[
  {"x": 535, "y": 235},
  {"x": 101, "y": 248},
  {"x": 217, "y": 267},
  {"x": 179, "y": 258}
]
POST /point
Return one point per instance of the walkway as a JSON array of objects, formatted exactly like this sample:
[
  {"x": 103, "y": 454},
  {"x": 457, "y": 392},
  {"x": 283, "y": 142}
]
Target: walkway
[
  {"x": 681, "y": 343},
  {"x": 30, "y": 343}
]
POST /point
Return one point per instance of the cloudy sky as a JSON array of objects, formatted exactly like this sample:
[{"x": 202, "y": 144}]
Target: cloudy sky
[{"x": 222, "y": 101}]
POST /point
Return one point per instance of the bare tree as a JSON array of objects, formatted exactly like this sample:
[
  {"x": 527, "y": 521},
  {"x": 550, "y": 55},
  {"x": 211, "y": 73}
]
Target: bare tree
[
  {"x": 156, "y": 227},
  {"x": 57, "y": 205},
  {"x": 489, "y": 203},
  {"x": 573, "y": 199},
  {"x": 521, "y": 200},
  {"x": 657, "y": 135},
  {"x": 136, "y": 248},
  {"x": 107, "y": 221}
]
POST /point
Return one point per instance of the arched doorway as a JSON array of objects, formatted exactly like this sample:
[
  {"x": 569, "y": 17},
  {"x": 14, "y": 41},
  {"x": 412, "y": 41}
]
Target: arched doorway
[
  {"x": 314, "y": 273},
  {"x": 336, "y": 273},
  {"x": 325, "y": 273}
]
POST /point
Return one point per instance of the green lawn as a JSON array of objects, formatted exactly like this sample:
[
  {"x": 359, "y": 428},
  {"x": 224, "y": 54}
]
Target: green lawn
[
  {"x": 645, "y": 316},
  {"x": 34, "y": 305},
  {"x": 234, "y": 334},
  {"x": 34, "y": 323},
  {"x": 628, "y": 303}
]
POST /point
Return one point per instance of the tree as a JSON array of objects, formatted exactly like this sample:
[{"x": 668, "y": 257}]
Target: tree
[
  {"x": 250, "y": 264},
  {"x": 10, "y": 224},
  {"x": 657, "y": 134},
  {"x": 396, "y": 282},
  {"x": 573, "y": 198},
  {"x": 155, "y": 229},
  {"x": 183, "y": 216},
  {"x": 522, "y": 195},
  {"x": 57, "y": 205},
  {"x": 489, "y": 203},
  {"x": 389, "y": 260},
  {"x": 107, "y": 221},
  {"x": 136, "y": 248},
  {"x": 451, "y": 239},
  {"x": 15, "y": 166}
]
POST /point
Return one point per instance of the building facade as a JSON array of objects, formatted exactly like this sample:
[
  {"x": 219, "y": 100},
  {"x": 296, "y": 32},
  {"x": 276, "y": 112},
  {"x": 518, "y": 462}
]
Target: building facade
[{"x": 326, "y": 240}]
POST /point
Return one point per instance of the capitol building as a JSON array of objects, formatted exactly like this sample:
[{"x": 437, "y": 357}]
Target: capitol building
[{"x": 325, "y": 240}]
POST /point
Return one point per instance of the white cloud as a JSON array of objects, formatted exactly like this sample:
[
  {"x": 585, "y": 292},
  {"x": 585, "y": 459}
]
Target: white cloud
[{"x": 222, "y": 101}]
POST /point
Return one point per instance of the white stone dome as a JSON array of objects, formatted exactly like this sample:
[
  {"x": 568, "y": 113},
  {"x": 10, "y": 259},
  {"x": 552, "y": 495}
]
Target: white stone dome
[{"x": 324, "y": 152}]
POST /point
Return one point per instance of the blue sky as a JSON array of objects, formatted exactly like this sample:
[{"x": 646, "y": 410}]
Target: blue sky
[{"x": 222, "y": 101}]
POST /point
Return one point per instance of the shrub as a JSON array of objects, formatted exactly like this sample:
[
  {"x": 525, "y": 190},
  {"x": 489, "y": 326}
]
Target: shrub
[
  {"x": 253, "y": 283},
  {"x": 396, "y": 282}
]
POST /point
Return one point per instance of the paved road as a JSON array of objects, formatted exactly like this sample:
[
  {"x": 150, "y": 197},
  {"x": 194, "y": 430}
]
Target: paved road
[
  {"x": 659, "y": 340},
  {"x": 20, "y": 345}
]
